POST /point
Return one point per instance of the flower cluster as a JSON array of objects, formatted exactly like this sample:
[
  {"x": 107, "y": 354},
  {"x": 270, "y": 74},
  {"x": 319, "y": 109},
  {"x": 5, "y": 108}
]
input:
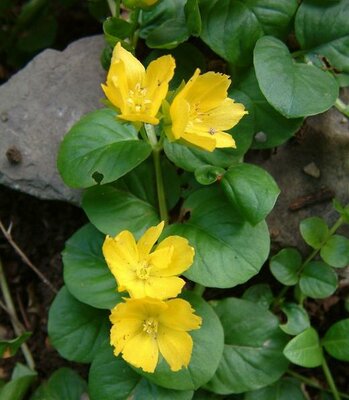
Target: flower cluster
[
  {"x": 147, "y": 323},
  {"x": 199, "y": 114}
]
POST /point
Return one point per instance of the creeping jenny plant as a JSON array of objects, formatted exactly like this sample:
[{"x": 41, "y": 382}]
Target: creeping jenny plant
[{"x": 196, "y": 209}]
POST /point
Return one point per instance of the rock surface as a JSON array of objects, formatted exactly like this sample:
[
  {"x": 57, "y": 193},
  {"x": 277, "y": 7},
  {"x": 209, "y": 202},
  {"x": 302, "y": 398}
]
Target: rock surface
[
  {"x": 38, "y": 106},
  {"x": 323, "y": 141}
]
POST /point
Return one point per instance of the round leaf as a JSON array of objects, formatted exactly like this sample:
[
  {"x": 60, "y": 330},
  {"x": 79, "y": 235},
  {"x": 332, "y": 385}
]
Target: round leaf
[
  {"x": 228, "y": 251},
  {"x": 295, "y": 90},
  {"x": 110, "y": 378},
  {"x": 99, "y": 149},
  {"x": 271, "y": 127},
  {"x": 336, "y": 340},
  {"x": 297, "y": 319},
  {"x": 259, "y": 293},
  {"x": 318, "y": 280},
  {"x": 252, "y": 355},
  {"x": 112, "y": 210},
  {"x": 63, "y": 384},
  {"x": 207, "y": 352},
  {"x": 314, "y": 231},
  {"x": 75, "y": 329},
  {"x": 231, "y": 28},
  {"x": 335, "y": 252},
  {"x": 285, "y": 266},
  {"x": 284, "y": 389},
  {"x": 322, "y": 29},
  {"x": 304, "y": 349},
  {"x": 251, "y": 190},
  {"x": 86, "y": 273}
]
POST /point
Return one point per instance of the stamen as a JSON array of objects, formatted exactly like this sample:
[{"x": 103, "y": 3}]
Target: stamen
[{"x": 212, "y": 131}]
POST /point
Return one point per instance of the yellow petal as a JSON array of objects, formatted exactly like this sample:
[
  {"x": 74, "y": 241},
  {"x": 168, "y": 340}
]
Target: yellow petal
[
  {"x": 127, "y": 247},
  {"x": 203, "y": 142},
  {"x": 224, "y": 140},
  {"x": 182, "y": 255},
  {"x": 158, "y": 75},
  {"x": 179, "y": 112},
  {"x": 147, "y": 241},
  {"x": 123, "y": 331},
  {"x": 142, "y": 352},
  {"x": 135, "y": 72},
  {"x": 163, "y": 287},
  {"x": 225, "y": 116},
  {"x": 159, "y": 260},
  {"x": 180, "y": 316},
  {"x": 136, "y": 288},
  {"x": 176, "y": 347},
  {"x": 209, "y": 90},
  {"x": 117, "y": 87}
]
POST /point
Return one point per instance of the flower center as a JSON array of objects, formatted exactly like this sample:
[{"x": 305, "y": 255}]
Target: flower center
[
  {"x": 150, "y": 326},
  {"x": 143, "y": 270},
  {"x": 137, "y": 100}
]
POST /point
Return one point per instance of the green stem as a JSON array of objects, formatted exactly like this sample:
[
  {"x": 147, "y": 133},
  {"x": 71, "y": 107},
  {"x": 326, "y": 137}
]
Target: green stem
[
  {"x": 114, "y": 7},
  {"x": 199, "y": 289},
  {"x": 330, "y": 380},
  {"x": 311, "y": 383},
  {"x": 17, "y": 326},
  {"x": 342, "y": 107},
  {"x": 157, "y": 148},
  {"x": 135, "y": 31}
]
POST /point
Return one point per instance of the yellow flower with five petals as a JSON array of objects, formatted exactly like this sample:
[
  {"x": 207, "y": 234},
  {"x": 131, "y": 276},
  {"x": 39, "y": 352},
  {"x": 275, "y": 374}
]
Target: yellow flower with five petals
[
  {"x": 143, "y": 328},
  {"x": 146, "y": 273},
  {"x": 136, "y": 92},
  {"x": 201, "y": 112}
]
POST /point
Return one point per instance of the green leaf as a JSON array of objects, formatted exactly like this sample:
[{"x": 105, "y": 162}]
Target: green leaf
[
  {"x": 335, "y": 252},
  {"x": 322, "y": 29},
  {"x": 232, "y": 27},
  {"x": 252, "y": 355},
  {"x": 112, "y": 210},
  {"x": 285, "y": 266},
  {"x": 21, "y": 380},
  {"x": 284, "y": 389},
  {"x": 251, "y": 190},
  {"x": 228, "y": 250},
  {"x": 9, "y": 348},
  {"x": 164, "y": 26},
  {"x": 336, "y": 340},
  {"x": 271, "y": 127},
  {"x": 98, "y": 9},
  {"x": 314, "y": 231},
  {"x": 297, "y": 319},
  {"x": 318, "y": 280},
  {"x": 208, "y": 174},
  {"x": 295, "y": 90},
  {"x": 304, "y": 349},
  {"x": 75, "y": 329},
  {"x": 193, "y": 17},
  {"x": 63, "y": 384},
  {"x": 86, "y": 273},
  {"x": 207, "y": 352},
  {"x": 259, "y": 293},
  {"x": 99, "y": 149},
  {"x": 116, "y": 29},
  {"x": 111, "y": 378}
]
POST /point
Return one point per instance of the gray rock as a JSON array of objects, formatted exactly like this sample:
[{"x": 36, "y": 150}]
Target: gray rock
[
  {"x": 323, "y": 140},
  {"x": 38, "y": 106}
]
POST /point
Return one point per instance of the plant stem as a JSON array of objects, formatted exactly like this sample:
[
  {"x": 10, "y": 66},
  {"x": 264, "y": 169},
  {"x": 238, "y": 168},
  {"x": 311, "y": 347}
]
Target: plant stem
[
  {"x": 199, "y": 289},
  {"x": 157, "y": 148},
  {"x": 342, "y": 107},
  {"x": 17, "y": 326},
  {"x": 311, "y": 383},
  {"x": 135, "y": 25},
  {"x": 330, "y": 380}
]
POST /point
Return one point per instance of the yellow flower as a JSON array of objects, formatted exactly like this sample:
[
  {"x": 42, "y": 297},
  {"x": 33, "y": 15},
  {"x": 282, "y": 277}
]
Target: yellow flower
[
  {"x": 144, "y": 327},
  {"x": 201, "y": 112},
  {"x": 144, "y": 273},
  {"x": 137, "y": 92}
]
